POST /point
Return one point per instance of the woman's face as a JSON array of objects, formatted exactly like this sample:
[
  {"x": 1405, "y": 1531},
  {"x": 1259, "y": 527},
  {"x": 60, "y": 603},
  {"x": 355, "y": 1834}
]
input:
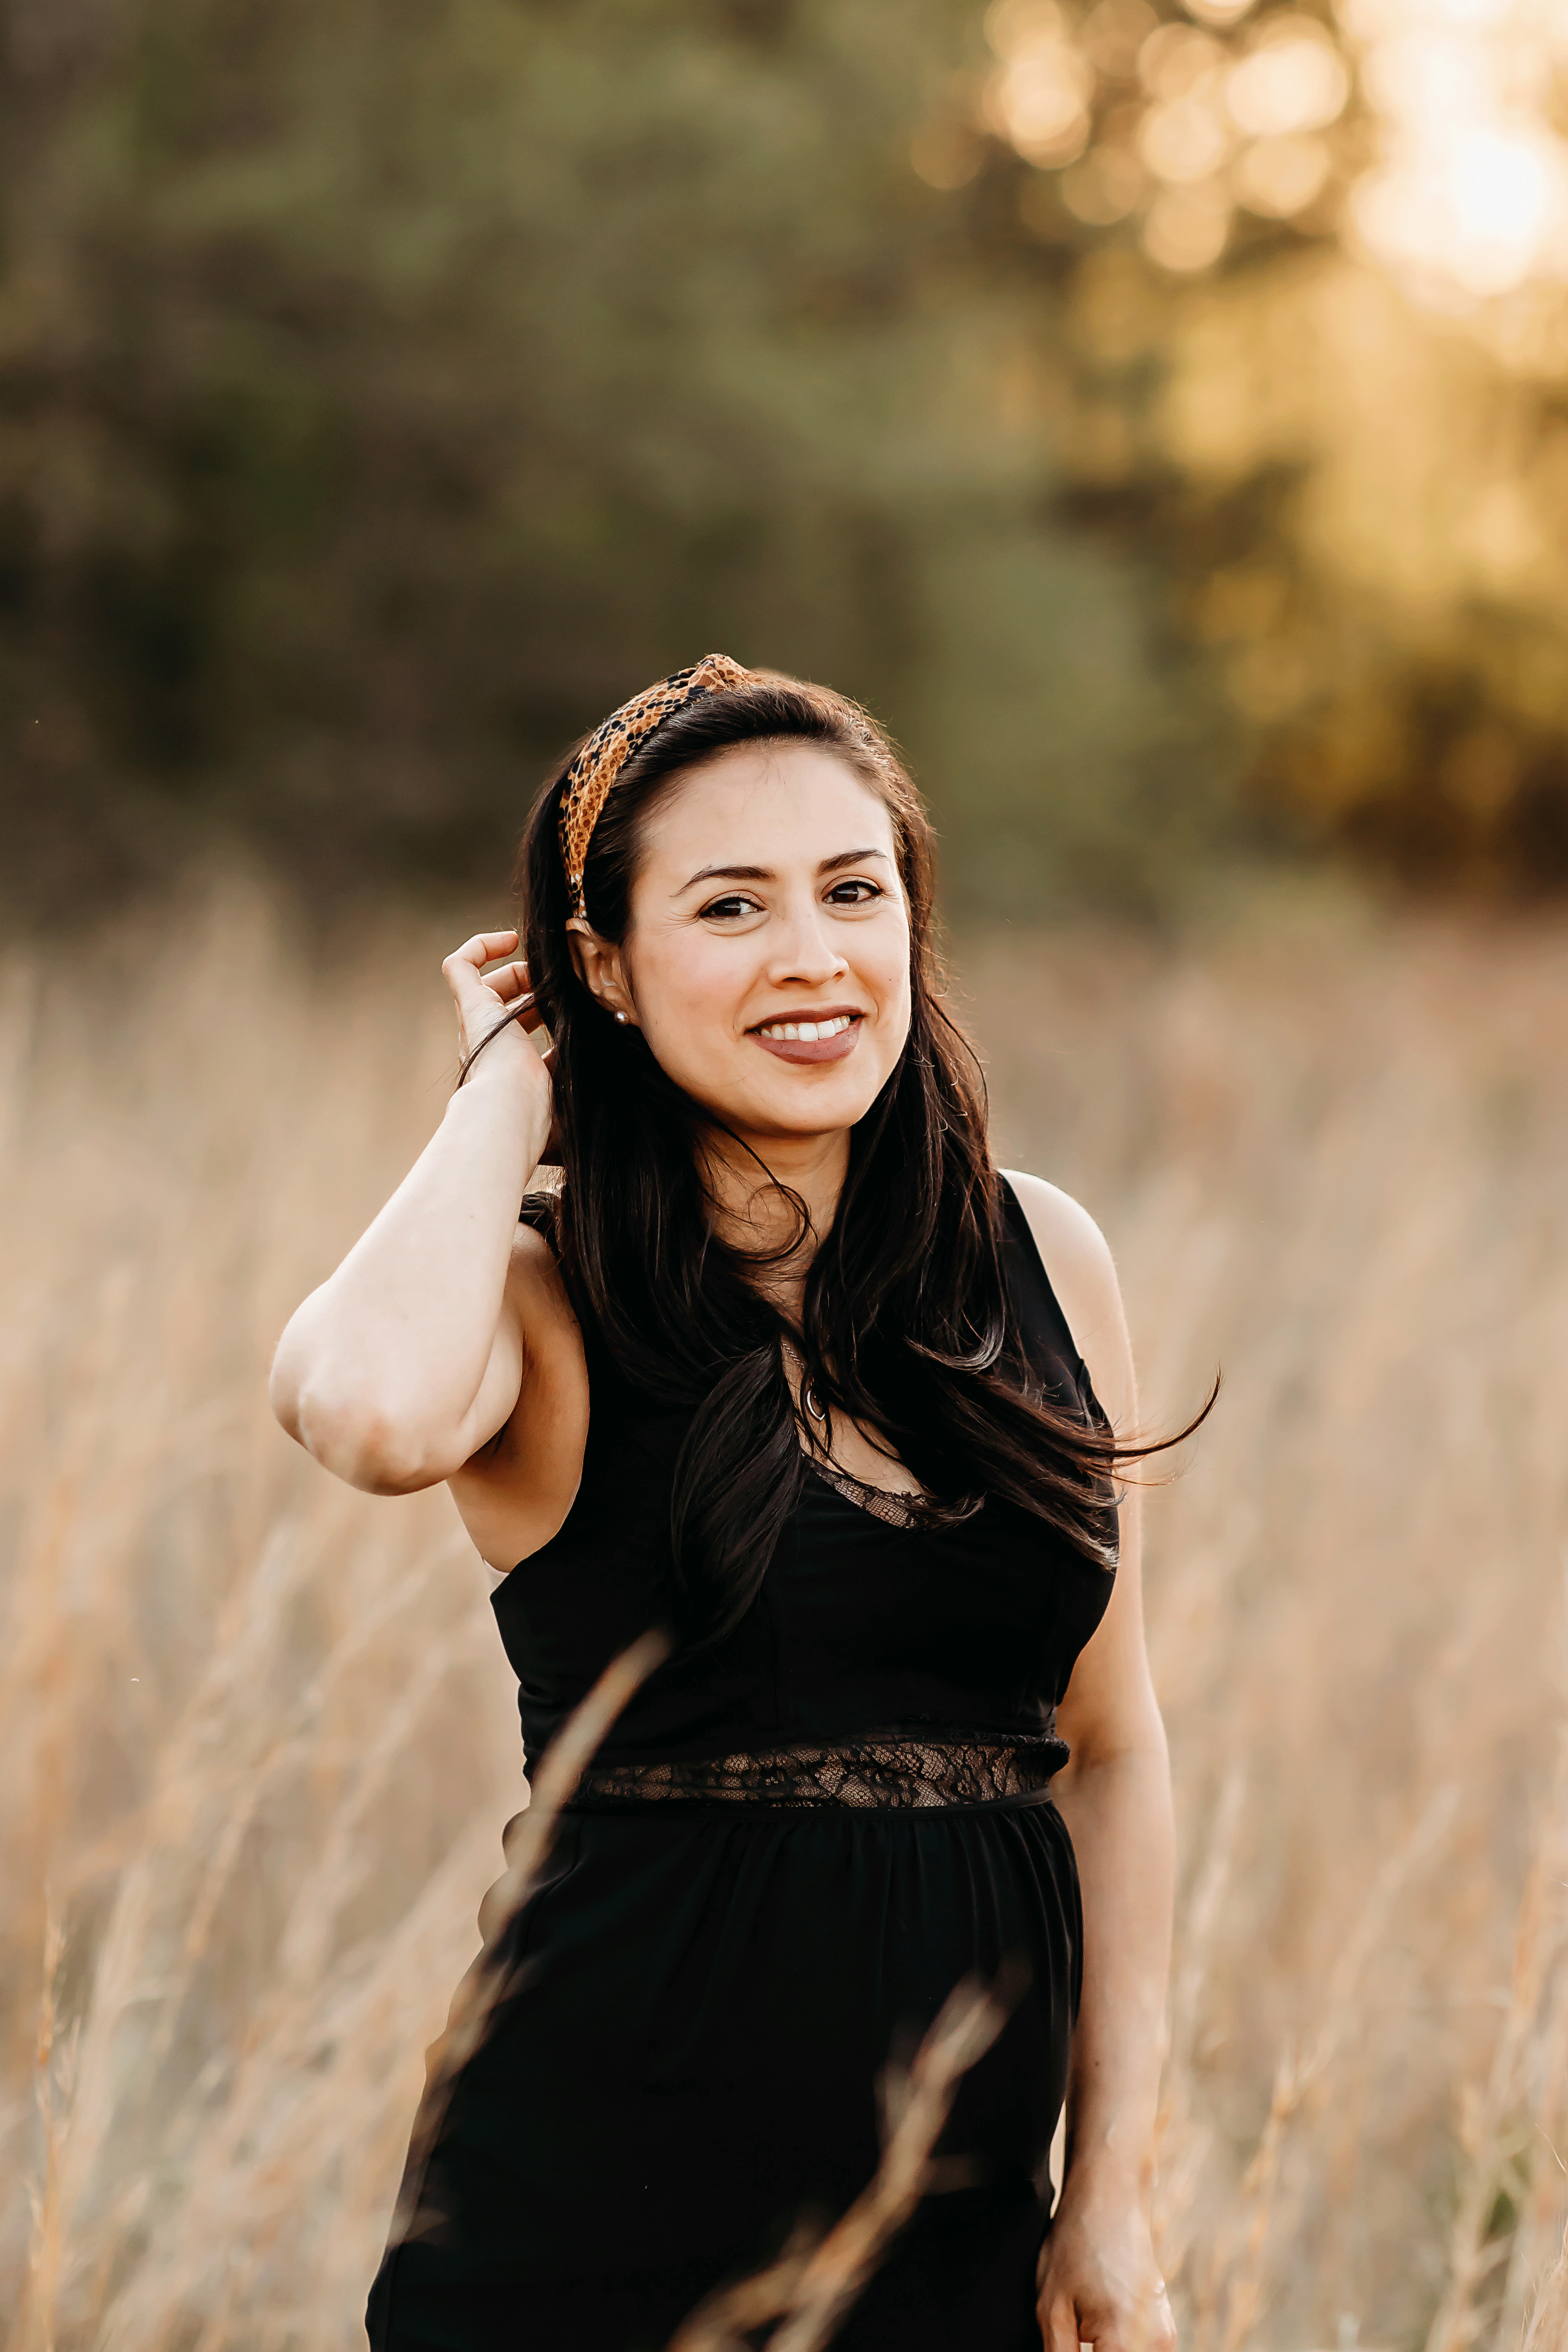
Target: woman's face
[{"x": 768, "y": 903}]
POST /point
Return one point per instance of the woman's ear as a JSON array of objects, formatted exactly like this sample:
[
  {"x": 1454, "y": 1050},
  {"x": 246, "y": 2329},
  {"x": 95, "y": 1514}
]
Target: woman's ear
[{"x": 599, "y": 967}]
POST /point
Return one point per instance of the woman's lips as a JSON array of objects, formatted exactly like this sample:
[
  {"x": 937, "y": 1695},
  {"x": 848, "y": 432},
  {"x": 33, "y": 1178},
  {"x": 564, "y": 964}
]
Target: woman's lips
[{"x": 811, "y": 1049}]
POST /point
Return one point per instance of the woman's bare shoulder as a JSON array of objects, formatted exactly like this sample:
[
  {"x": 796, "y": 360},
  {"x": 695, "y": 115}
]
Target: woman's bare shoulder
[
  {"x": 534, "y": 1281},
  {"x": 1077, "y": 1257},
  {"x": 539, "y": 1305},
  {"x": 1065, "y": 1224}
]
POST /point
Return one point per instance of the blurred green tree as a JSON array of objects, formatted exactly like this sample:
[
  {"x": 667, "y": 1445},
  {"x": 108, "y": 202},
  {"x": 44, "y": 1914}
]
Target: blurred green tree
[{"x": 386, "y": 390}]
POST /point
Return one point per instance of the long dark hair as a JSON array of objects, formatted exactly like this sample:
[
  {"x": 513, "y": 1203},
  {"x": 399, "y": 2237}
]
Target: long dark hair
[{"x": 907, "y": 1323}]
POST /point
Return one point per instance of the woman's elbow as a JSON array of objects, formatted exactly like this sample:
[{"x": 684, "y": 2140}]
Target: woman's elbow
[
  {"x": 1129, "y": 1738},
  {"x": 358, "y": 1442},
  {"x": 283, "y": 1396}
]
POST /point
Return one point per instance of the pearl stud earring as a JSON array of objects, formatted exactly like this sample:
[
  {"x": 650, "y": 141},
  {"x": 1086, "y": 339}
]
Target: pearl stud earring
[{"x": 620, "y": 1016}]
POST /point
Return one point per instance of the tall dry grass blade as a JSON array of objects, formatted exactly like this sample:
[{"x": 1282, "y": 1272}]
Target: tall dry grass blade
[
  {"x": 1181, "y": 2140},
  {"x": 1548, "y": 2329},
  {"x": 729, "y": 2318},
  {"x": 1534, "y": 2251},
  {"x": 35, "y": 2324},
  {"x": 1542, "y": 2214},
  {"x": 967, "y": 2025},
  {"x": 1491, "y": 2124},
  {"x": 193, "y": 1810},
  {"x": 1299, "y": 2073},
  {"x": 492, "y": 1978},
  {"x": 810, "y": 2293}
]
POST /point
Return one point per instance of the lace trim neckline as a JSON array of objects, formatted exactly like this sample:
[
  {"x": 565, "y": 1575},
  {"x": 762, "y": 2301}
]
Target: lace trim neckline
[{"x": 885, "y": 1503}]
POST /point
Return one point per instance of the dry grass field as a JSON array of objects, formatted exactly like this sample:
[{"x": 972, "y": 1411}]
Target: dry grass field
[{"x": 260, "y": 1739}]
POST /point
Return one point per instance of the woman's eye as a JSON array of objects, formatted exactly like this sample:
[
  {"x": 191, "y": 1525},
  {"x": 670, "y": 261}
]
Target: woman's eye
[
  {"x": 852, "y": 893},
  {"x": 727, "y": 910}
]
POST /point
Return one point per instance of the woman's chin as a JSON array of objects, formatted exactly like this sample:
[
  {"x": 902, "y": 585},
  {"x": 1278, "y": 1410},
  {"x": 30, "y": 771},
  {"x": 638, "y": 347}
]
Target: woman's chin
[{"x": 829, "y": 1101}]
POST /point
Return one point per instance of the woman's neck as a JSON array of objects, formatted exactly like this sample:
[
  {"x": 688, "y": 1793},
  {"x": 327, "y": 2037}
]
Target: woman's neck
[{"x": 749, "y": 1186}]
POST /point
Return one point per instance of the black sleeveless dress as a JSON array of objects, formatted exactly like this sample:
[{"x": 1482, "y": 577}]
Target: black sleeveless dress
[{"x": 794, "y": 1848}]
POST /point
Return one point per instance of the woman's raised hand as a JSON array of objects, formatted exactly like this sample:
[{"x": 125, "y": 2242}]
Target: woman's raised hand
[
  {"x": 485, "y": 999},
  {"x": 407, "y": 1360}
]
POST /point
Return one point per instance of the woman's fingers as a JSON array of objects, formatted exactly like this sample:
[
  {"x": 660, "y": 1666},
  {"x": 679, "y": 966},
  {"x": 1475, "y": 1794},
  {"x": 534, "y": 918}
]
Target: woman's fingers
[
  {"x": 488, "y": 1001},
  {"x": 492, "y": 943},
  {"x": 463, "y": 966},
  {"x": 1145, "y": 2327},
  {"x": 1058, "y": 2326},
  {"x": 510, "y": 984},
  {"x": 474, "y": 989}
]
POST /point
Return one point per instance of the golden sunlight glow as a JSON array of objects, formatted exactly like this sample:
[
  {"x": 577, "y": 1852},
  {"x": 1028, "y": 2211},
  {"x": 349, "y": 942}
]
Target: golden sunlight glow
[
  {"x": 1451, "y": 173},
  {"x": 1185, "y": 141},
  {"x": 1040, "y": 99},
  {"x": 1105, "y": 187},
  {"x": 1113, "y": 37},
  {"x": 1469, "y": 195},
  {"x": 1176, "y": 62},
  {"x": 1293, "y": 79},
  {"x": 1186, "y": 228},
  {"x": 1280, "y": 177},
  {"x": 1219, "y": 13}
]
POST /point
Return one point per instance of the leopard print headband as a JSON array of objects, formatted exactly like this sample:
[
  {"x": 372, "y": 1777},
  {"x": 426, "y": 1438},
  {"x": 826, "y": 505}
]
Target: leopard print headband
[{"x": 592, "y": 773}]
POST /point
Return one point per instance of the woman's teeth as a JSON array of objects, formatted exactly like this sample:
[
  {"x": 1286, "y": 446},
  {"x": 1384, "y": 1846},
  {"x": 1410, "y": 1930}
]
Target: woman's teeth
[{"x": 808, "y": 1032}]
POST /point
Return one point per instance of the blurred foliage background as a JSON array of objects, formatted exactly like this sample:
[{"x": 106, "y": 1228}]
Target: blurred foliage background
[{"x": 1158, "y": 416}]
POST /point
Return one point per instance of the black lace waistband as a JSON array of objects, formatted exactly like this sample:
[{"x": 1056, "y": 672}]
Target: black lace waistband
[{"x": 874, "y": 1775}]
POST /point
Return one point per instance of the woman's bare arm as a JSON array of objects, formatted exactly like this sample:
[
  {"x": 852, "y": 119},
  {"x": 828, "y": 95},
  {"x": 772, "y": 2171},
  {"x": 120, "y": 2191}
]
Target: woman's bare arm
[
  {"x": 412, "y": 1356},
  {"x": 1099, "y": 2281}
]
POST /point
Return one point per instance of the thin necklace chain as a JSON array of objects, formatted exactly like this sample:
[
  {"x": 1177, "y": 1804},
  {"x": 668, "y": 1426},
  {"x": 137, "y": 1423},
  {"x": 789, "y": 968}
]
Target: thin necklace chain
[{"x": 893, "y": 1503}]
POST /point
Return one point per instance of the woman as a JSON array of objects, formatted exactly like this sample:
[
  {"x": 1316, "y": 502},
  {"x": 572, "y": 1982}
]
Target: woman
[{"x": 780, "y": 1367}]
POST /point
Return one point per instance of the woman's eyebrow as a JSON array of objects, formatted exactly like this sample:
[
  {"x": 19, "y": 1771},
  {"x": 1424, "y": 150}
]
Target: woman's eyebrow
[
  {"x": 728, "y": 874},
  {"x": 852, "y": 857},
  {"x": 767, "y": 872}
]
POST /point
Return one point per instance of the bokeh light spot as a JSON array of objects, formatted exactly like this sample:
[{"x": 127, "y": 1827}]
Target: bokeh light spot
[
  {"x": 945, "y": 154},
  {"x": 1221, "y": 13},
  {"x": 1040, "y": 100},
  {"x": 1279, "y": 177},
  {"x": 1186, "y": 227},
  {"x": 1175, "y": 62},
  {"x": 1105, "y": 187},
  {"x": 1182, "y": 142},
  {"x": 1294, "y": 80},
  {"x": 1113, "y": 36},
  {"x": 1013, "y": 28}
]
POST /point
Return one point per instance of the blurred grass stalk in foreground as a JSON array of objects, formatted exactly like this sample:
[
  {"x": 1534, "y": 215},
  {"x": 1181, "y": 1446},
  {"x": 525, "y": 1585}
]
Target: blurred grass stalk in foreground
[{"x": 261, "y": 1739}]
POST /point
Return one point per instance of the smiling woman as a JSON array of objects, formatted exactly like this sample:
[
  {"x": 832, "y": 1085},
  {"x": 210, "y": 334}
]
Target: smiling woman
[{"x": 778, "y": 1365}]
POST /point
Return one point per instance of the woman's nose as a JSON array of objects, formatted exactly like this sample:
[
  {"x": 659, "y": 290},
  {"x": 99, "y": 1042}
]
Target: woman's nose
[{"x": 806, "y": 950}]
